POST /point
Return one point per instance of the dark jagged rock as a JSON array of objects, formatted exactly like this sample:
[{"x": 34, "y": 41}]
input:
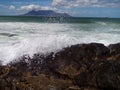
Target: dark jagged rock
[
  {"x": 114, "y": 48},
  {"x": 79, "y": 67}
]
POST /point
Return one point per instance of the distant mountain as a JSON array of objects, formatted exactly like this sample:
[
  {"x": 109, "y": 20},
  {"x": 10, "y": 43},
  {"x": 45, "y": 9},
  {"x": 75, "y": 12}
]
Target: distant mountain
[{"x": 46, "y": 13}]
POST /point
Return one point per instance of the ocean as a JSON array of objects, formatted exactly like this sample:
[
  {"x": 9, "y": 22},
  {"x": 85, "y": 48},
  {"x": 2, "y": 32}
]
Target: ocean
[{"x": 29, "y": 35}]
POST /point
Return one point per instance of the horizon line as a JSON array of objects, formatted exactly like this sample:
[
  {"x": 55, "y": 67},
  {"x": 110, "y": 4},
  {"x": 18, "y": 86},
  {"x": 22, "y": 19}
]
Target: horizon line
[{"x": 54, "y": 17}]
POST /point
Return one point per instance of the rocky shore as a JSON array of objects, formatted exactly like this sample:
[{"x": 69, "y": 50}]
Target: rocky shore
[{"x": 79, "y": 67}]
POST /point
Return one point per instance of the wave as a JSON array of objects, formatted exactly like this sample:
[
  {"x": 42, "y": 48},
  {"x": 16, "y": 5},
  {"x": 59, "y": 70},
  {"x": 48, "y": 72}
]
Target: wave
[
  {"x": 42, "y": 45},
  {"x": 30, "y": 38},
  {"x": 30, "y": 46}
]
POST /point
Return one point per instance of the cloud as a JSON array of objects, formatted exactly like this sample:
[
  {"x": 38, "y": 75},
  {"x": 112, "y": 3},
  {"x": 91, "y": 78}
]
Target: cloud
[
  {"x": 36, "y": 7},
  {"x": 86, "y": 3},
  {"x": 30, "y": 7},
  {"x": 11, "y": 7}
]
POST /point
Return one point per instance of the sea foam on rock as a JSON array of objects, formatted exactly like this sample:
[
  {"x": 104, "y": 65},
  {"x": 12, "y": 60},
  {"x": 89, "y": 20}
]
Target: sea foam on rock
[{"x": 79, "y": 67}]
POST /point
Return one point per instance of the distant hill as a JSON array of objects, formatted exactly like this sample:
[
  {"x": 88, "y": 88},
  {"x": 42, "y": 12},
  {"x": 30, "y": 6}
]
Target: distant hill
[{"x": 46, "y": 13}]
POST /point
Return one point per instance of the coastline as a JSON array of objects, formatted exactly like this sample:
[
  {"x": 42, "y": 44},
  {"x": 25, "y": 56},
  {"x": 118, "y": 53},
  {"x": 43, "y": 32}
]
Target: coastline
[{"x": 90, "y": 66}]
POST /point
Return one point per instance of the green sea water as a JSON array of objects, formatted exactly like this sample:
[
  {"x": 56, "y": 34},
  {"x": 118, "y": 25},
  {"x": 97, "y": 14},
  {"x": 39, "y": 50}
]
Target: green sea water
[{"x": 56, "y": 19}]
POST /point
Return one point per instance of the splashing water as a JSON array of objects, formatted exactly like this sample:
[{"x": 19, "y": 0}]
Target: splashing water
[{"x": 20, "y": 38}]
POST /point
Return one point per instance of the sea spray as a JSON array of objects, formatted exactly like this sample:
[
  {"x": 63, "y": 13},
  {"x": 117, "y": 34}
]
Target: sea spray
[
  {"x": 30, "y": 46},
  {"x": 24, "y": 37}
]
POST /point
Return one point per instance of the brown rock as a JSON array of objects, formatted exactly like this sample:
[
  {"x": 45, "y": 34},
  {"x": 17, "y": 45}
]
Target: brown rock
[{"x": 79, "y": 67}]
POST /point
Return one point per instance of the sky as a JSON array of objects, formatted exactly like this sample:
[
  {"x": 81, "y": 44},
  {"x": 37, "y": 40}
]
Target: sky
[{"x": 77, "y": 8}]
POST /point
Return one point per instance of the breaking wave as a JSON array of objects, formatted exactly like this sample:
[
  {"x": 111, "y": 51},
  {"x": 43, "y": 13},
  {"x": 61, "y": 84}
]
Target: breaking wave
[{"x": 21, "y": 38}]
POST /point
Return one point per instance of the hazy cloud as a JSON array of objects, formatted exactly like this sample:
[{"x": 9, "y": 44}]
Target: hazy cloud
[
  {"x": 86, "y": 3},
  {"x": 30, "y": 7},
  {"x": 11, "y": 7},
  {"x": 36, "y": 7}
]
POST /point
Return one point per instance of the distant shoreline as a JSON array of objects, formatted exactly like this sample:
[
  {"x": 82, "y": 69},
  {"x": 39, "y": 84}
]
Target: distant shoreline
[{"x": 62, "y": 17}]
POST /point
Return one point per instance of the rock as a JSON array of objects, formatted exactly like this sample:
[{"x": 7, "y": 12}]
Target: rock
[
  {"x": 114, "y": 48},
  {"x": 73, "y": 88},
  {"x": 103, "y": 75},
  {"x": 79, "y": 67},
  {"x": 73, "y": 60}
]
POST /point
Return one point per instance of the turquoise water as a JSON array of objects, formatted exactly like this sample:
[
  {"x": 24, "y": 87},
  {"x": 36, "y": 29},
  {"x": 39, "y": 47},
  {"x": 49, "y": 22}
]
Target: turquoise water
[
  {"x": 29, "y": 35},
  {"x": 56, "y": 20}
]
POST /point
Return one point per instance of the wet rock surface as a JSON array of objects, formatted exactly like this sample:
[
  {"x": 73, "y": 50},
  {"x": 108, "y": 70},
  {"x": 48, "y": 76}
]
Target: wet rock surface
[{"x": 79, "y": 67}]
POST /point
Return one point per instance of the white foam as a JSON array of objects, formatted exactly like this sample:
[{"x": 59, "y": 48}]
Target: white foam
[
  {"x": 45, "y": 38},
  {"x": 34, "y": 45}
]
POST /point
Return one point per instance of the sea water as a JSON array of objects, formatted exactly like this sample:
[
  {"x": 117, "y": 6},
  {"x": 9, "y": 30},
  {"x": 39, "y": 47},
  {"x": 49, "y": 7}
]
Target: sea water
[{"x": 29, "y": 35}]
